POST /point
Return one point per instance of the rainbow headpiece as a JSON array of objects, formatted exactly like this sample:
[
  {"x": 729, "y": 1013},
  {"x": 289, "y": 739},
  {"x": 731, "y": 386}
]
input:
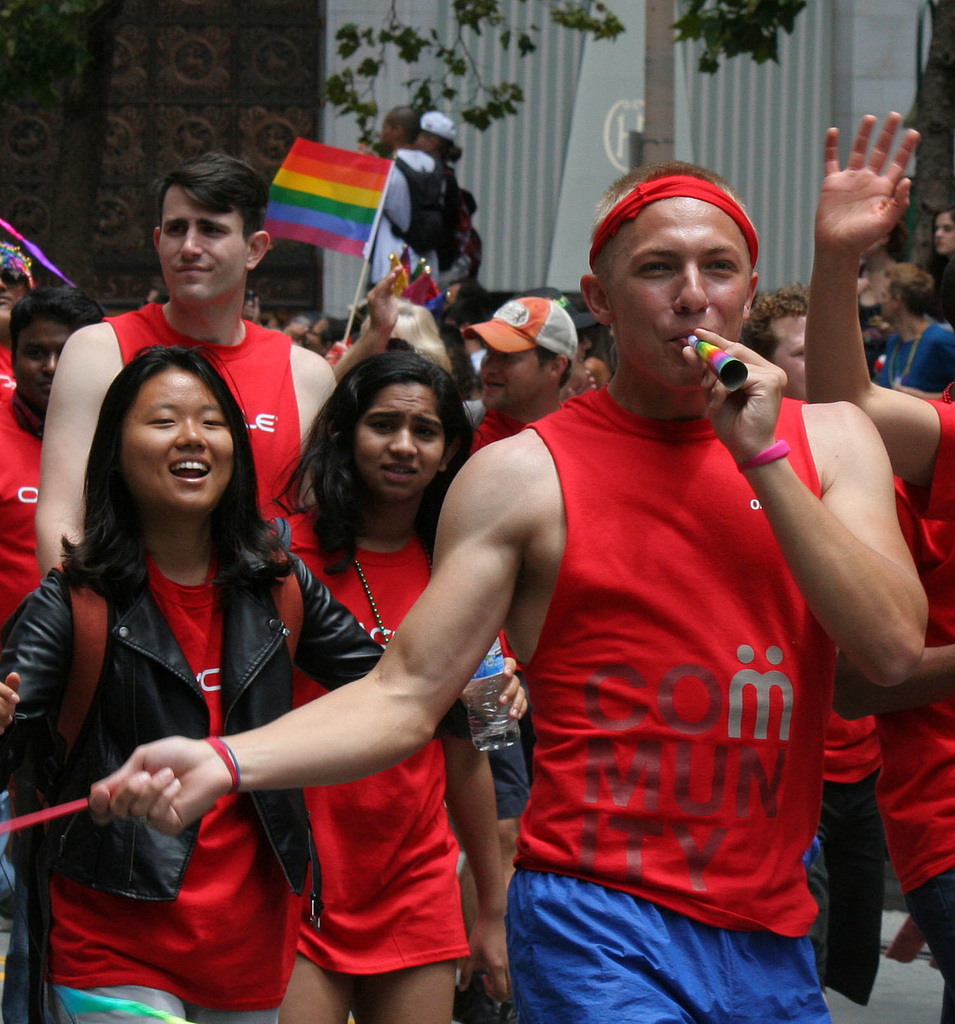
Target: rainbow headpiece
[{"x": 14, "y": 261}]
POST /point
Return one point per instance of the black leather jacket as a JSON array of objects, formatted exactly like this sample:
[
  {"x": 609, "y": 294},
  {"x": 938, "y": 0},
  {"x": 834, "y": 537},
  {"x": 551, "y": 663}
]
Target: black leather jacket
[{"x": 146, "y": 692}]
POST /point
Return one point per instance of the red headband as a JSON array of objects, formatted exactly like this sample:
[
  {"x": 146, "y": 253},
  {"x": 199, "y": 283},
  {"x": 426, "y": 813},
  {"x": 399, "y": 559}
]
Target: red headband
[{"x": 671, "y": 187}]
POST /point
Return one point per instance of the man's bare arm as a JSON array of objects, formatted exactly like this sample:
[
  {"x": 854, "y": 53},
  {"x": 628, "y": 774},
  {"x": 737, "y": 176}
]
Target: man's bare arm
[
  {"x": 934, "y": 681},
  {"x": 368, "y": 725},
  {"x": 314, "y": 382},
  {"x": 473, "y": 809},
  {"x": 846, "y": 551},
  {"x": 87, "y": 366},
  {"x": 858, "y": 205}
]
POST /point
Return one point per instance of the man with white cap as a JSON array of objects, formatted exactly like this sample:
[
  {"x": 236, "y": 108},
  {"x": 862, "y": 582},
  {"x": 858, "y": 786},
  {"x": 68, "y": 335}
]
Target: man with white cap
[
  {"x": 459, "y": 250},
  {"x": 437, "y": 135},
  {"x": 531, "y": 344}
]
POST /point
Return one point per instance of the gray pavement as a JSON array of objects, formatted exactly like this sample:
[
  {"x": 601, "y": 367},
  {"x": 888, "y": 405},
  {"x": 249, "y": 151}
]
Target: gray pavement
[{"x": 903, "y": 993}]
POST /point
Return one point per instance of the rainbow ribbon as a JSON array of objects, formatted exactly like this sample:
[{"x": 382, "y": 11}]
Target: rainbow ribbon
[
  {"x": 35, "y": 250},
  {"x": 76, "y": 1001}
]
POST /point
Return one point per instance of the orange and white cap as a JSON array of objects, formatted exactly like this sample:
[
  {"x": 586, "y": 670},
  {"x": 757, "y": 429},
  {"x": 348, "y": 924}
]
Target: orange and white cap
[{"x": 524, "y": 323}]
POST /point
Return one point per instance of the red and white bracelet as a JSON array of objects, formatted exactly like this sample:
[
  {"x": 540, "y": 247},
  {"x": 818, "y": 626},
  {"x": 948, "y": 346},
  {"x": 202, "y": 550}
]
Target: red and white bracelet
[
  {"x": 779, "y": 450},
  {"x": 224, "y": 751}
]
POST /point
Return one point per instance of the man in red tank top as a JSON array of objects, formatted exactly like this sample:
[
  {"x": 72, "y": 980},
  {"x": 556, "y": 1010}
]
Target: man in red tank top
[
  {"x": 675, "y": 565},
  {"x": 211, "y": 211},
  {"x": 847, "y": 879},
  {"x": 860, "y": 204}
]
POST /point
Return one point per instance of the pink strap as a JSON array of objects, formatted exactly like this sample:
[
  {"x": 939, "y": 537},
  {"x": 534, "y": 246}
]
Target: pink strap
[
  {"x": 47, "y": 814},
  {"x": 779, "y": 450}
]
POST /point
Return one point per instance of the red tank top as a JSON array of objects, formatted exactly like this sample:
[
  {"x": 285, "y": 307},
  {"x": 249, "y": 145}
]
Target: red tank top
[
  {"x": 681, "y": 687},
  {"x": 918, "y": 771},
  {"x": 259, "y": 373},
  {"x": 852, "y": 749}
]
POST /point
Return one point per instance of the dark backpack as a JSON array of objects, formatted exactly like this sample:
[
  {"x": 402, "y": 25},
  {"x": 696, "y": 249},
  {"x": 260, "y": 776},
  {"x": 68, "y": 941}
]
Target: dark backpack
[
  {"x": 426, "y": 189},
  {"x": 467, "y": 242}
]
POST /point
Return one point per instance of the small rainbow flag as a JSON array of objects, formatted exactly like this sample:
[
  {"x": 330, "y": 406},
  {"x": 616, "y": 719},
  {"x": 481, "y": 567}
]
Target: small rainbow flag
[{"x": 327, "y": 197}]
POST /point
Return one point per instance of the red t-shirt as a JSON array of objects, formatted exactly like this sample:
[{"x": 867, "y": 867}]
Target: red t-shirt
[
  {"x": 388, "y": 855},
  {"x": 8, "y": 383},
  {"x": 495, "y": 427},
  {"x": 259, "y": 373},
  {"x": 228, "y": 941},
  {"x": 938, "y": 502},
  {"x": 852, "y": 749},
  {"x": 918, "y": 746},
  {"x": 19, "y": 487},
  {"x": 681, "y": 686}
]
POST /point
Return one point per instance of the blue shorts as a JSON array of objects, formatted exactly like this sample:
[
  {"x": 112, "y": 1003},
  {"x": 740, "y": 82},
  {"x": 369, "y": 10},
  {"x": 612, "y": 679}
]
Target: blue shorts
[
  {"x": 510, "y": 780},
  {"x": 584, "y": 954}
]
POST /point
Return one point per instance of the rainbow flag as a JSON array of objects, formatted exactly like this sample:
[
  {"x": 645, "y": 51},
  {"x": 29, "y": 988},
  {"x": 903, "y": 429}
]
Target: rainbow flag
[{"x": 327, "y": 197}]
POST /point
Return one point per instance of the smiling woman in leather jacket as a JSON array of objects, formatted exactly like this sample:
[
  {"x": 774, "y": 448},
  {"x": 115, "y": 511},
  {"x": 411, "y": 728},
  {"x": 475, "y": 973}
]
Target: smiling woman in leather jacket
[{"x": 204, "y": 922}]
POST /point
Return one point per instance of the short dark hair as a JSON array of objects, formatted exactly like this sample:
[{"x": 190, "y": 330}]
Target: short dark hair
[
  {"x": 545, "y": 356},
  {"x": 757, "y": 333},
  {"x": 67, "y": 306},
  {"x": 220, "y": 183},
  {"x": 473, "y": 305},
  {"x": 111, "y": 558},
  {"x": 327, "y": 481},
  {"x": 407, "y": 119}
]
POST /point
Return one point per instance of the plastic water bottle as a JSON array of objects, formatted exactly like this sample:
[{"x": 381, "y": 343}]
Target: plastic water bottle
[{"x": 491, "y": 725}]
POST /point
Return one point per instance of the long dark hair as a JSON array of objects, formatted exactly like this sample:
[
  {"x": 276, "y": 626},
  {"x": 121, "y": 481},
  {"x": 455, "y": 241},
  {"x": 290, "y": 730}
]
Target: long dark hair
[
  {"x": 936, "y": 262},
  {"x": 327, "y": 482},
  {"x": 111, "y": 558}
]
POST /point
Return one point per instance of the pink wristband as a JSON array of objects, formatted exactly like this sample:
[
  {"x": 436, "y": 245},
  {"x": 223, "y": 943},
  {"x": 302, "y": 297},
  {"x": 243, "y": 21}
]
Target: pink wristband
[
  {"x": 228, "y": 759},
  {"x": 779, "y": 450}
]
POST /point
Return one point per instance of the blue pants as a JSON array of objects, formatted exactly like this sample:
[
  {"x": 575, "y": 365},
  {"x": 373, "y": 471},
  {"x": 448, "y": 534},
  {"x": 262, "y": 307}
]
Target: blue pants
[
  {"x": 584, "y": 954},
  {"x": 932, "y": 906}
]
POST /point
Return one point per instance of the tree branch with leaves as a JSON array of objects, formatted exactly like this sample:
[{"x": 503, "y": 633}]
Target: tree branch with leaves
[
  {"x": 729, "y": 28},
  {"x": 460, "y": 77}
]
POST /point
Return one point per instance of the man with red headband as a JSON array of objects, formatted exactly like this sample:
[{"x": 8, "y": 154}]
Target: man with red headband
[{"x": 675, "y": 565}]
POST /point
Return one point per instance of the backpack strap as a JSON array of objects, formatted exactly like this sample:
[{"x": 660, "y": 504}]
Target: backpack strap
[
  {"x": 90, "y": 631},
  {"x": 287, "y": 594}
]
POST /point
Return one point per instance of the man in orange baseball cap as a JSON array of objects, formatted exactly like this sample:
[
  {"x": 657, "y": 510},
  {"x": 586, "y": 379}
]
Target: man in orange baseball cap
[{"x": 531, "y": 344}]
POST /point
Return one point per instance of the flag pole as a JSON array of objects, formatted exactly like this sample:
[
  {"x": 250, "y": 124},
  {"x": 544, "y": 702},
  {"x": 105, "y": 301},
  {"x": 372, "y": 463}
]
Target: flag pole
[
  {"x": 363, "y": 277},
  {"x": 369, "y": 250}
]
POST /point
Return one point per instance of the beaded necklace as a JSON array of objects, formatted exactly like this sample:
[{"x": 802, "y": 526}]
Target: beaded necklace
[
  {"x": 374, "y": 608},
  {"x": 371, "y": 600}
]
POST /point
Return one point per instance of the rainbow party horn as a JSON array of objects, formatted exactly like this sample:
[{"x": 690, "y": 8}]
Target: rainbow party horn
[{"x": 731, "y": 371}]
